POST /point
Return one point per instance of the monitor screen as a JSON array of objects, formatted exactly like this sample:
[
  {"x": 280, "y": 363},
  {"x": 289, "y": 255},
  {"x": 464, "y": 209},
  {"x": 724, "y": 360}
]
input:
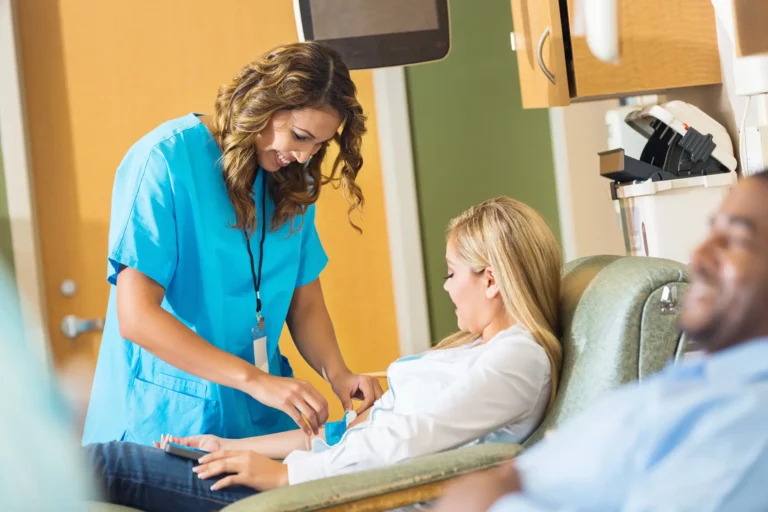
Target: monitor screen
[
  {"x": 335, "y": 19},
  {"x": 371, "y": 34}
]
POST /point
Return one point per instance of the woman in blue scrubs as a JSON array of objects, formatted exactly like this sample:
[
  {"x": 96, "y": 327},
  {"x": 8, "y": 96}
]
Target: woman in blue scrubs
[{"x": 213, "y": 248}]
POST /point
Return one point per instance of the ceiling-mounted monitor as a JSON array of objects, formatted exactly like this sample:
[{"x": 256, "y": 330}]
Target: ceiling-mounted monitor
[{"x": 377, "y": 33}]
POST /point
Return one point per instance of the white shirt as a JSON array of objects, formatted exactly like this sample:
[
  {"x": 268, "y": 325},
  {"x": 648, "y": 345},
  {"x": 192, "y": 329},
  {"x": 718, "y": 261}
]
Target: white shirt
[{"x": 442, "y": 399}]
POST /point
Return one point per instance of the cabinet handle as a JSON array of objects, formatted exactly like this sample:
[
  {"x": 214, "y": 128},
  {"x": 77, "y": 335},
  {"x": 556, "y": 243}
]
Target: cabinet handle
[{"x": 540, "y": 57}]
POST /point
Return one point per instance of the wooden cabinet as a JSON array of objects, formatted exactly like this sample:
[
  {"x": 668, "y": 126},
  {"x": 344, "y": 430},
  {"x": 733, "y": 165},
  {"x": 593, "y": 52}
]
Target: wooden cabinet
[{"x": 664, "y": 45}]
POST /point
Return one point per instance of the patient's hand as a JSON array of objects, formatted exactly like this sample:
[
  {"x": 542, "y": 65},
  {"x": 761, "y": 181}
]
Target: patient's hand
[
  {"x": 478, "y": 491},
  {"x": 243, "y": 468},
  {"x": 205, "y": 442}
]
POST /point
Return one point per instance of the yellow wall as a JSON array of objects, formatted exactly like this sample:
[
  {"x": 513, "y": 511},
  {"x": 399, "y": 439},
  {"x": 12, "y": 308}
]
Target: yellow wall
[
  {"x": 358, "y": 280},
  {"x": 98, "y": 75}
]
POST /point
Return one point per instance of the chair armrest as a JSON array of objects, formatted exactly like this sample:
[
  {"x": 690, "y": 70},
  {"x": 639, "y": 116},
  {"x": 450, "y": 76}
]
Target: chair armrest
[
  {"x": 93, "y": 506},
  {"x": 413, "y": 481}
]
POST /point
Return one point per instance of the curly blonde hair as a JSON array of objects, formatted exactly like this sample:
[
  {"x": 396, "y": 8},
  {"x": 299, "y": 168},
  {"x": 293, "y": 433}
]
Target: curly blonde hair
[{"x": 289, "y": 77}]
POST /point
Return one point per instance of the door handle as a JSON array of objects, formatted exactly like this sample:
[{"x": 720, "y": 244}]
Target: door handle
[{"x": 72, "y": 326}]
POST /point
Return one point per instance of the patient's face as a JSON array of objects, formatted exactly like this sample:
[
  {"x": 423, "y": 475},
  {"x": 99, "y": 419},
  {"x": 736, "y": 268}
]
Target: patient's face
[
  {"x": 727, "y": 296},
  {"x": 467, "y": 291}
]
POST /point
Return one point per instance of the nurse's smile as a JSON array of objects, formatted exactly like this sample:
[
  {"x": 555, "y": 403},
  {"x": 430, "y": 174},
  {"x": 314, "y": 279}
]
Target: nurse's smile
[
  {"x": 294, "y": 136},
  {"x": 281, "y": 160}
]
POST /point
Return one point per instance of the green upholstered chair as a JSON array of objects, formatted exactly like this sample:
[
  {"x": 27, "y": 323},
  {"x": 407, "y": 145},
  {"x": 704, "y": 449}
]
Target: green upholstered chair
[{"x": 618, "y": 326}]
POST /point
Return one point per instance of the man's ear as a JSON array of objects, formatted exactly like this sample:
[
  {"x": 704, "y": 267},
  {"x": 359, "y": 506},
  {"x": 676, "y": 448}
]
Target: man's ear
[{"x": 491, "y": 286}]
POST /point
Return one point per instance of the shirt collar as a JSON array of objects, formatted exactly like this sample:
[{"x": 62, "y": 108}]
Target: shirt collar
[{"x": 745, "y": 362}]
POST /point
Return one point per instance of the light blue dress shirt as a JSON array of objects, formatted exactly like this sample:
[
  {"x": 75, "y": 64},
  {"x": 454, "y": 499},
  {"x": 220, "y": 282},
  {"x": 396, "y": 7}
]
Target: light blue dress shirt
[
  {"x": 172, "y": 220},
  {"x": 692, "y": 438}
]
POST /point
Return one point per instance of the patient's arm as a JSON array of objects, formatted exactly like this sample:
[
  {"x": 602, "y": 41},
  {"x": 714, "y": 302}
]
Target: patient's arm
[
  {"x": 361, "y": 418},
  {"x": 278, "y": 446},
  {"x": 275, "y": 446}
]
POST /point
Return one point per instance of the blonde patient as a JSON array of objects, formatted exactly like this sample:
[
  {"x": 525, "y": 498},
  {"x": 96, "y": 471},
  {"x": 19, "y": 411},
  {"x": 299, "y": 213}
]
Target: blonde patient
[{"x": 491, "y": 381}]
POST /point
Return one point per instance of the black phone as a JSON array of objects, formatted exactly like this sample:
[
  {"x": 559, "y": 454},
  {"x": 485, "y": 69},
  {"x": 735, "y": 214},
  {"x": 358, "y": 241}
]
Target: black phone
[{"x": 185, "y": 452}]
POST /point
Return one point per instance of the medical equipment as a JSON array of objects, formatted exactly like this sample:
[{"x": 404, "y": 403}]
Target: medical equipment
[
  {"x": 663, "y": 199},
  {"x": 622, "y": 135},
  {"x": 682, "y": 141},
  {"x": 334, "y": 430}
]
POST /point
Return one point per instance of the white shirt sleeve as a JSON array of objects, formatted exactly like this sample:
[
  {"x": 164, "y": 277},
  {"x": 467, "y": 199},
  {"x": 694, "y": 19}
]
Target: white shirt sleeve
[{"x": 503, "y": 387}]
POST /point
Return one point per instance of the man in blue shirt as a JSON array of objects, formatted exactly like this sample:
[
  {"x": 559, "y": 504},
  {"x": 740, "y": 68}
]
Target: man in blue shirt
[{"x": 692, "y": 438}]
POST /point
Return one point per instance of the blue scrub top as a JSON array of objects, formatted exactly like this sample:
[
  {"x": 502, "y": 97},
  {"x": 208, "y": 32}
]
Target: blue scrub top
[{"x": 171, "y": 220}]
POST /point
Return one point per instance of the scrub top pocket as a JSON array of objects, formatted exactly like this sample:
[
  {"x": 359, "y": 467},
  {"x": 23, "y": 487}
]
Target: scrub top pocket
[{"x": 162, "y": 405}]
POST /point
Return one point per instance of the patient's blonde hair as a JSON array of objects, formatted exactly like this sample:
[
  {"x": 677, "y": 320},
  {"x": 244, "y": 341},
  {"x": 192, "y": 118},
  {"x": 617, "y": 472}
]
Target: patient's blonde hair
[{"x": 514, "y": 241}]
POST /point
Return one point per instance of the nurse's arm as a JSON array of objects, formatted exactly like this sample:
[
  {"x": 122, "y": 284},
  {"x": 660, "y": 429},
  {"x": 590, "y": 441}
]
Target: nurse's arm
[
  {"x": 145, "y": 323},
  {"x": 312, "y": 331}
]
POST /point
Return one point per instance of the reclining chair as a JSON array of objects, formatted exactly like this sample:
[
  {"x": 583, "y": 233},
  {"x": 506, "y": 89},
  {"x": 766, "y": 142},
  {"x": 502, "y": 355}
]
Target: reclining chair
[{"x": 618, "y": 317}]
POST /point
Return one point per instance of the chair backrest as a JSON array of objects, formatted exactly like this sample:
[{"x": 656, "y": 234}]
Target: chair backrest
[{"x": 616, "y": 328}]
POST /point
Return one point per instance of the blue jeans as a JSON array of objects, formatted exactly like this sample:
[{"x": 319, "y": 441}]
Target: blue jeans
[{"x": 149, "y": 479}]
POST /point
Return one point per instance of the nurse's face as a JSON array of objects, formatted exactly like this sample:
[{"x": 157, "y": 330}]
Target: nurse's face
[
  {"x": 294, "y": 136},
  {"x": 473, "y": 293}
]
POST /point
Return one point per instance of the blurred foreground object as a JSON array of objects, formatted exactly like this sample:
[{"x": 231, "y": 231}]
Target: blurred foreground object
[{"x": 41, "y": 467}]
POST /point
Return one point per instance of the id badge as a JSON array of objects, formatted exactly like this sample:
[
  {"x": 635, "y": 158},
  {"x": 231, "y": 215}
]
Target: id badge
[{"x": 259, "y": 338}]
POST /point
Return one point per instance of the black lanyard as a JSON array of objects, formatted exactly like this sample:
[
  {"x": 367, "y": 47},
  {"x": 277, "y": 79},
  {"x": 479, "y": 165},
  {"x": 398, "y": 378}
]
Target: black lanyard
[{"x": 257, "y": 280}]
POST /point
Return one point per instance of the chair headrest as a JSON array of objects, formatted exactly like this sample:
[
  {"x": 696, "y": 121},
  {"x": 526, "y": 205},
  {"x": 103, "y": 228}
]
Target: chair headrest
[{"x": 616, "y": 329}]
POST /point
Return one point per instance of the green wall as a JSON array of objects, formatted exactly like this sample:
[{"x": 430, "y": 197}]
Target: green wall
[
  {"x": 6, "y": 256},
  {"x": 10, "y": 307},
  {"x": 471, "y": 138}
]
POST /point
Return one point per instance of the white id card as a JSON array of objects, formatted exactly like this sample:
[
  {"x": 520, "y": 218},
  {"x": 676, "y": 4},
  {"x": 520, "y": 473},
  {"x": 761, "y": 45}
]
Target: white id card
[{"x": 260, "y": 357}]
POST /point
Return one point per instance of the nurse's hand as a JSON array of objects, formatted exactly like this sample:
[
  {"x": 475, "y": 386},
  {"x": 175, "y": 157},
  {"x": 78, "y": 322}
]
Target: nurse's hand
[
  {"x": 295, "y": 397},
  {"x": 243, "y": 468},
  {"x": 349, "y": 386}
]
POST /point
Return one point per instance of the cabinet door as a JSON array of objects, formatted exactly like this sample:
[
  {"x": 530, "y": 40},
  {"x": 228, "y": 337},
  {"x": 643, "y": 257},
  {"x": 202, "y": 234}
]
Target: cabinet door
[
  {"x": 663, "y": 45},
  {"x": 540, "y": 52}
]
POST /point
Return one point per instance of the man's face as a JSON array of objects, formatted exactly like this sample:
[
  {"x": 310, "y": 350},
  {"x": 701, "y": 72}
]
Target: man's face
[{"x": 727, "y": 299}]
